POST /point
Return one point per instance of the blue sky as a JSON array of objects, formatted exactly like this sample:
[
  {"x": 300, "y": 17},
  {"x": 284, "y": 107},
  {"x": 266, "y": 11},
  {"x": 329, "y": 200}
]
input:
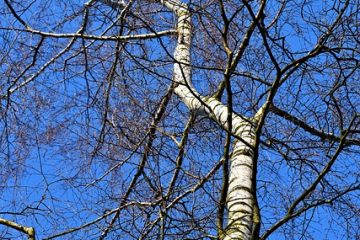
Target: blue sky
[{"x": 54, "y": 123}]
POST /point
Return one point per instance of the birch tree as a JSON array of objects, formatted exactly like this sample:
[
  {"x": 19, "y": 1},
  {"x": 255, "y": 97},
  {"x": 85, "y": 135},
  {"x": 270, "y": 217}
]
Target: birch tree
[{"x": 171, "y": 119}]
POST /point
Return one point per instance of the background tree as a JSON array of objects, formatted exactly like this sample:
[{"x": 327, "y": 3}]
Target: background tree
[{"x": 180, "y": 119}]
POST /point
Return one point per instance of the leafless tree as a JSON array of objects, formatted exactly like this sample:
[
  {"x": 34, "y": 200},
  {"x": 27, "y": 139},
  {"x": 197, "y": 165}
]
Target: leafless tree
[{"x": 174, "y": 119}]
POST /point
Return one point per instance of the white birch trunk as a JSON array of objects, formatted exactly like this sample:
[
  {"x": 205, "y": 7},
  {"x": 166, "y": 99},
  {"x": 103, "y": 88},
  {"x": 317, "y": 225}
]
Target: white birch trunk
[{"x": 240, "y": 200}]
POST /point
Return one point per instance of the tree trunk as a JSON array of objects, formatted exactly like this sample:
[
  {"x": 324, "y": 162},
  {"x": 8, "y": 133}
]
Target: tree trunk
[{"x": 240, "y": 197}]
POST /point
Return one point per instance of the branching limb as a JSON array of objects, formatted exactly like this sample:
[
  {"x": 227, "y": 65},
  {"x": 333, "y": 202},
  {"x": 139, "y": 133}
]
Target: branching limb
[
  {"x": 157, "y": 118},
  {"x": 291, "y": 212},
  {"x": 310, "y": 129},
  {"x": 27, "y": 230}
]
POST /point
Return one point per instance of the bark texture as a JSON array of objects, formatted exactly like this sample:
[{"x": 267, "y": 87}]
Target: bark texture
[{"x": 240, "y": 198}]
